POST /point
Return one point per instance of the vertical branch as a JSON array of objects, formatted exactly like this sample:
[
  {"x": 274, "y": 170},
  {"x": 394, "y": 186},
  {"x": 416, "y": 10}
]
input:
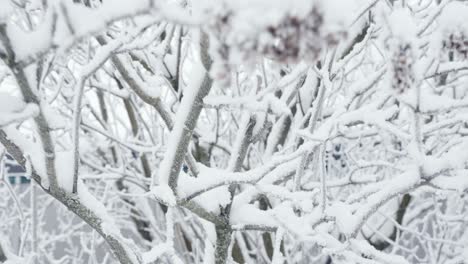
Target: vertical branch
[
  {"x": 135, "y": 128},
  {"x": 76, "y": 131},
  {"x": 316, "y": 111},
  {"x": 300, "y": 170},
  {"x": 323, "y": 180},
  {"x": 224, "y": 231},
  {"x": 417, "y": 122},
  {"x": 223, "y": 239},
  {"x": 243, "y": 139},
  {"x": 282, "y": 127},
  {"x": 170, "y": 227},
  {"x": 105, "y": 117},
  {"x": 30, "y": 96},
  {"x": 186, "y": 119},
  {"x": 3, "y": 257},
  {"x": 99, "y": 59},
  {"x": 277, "y": 255},
  {"x": 34, "y": 224}
]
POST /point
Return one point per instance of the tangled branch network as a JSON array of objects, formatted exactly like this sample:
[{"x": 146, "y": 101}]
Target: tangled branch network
[{"x": 233, "y": 131}]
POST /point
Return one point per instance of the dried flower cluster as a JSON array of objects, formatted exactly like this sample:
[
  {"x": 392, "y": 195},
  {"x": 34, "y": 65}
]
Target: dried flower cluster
[
  {"x": 294, "y": 38},
  {"x": 456, "y": 45},
  {"x": 402, "y": 68}
]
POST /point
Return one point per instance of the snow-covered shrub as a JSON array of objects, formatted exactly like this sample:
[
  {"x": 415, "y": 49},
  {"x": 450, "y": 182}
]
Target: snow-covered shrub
[{"x": 234, "y": 131}]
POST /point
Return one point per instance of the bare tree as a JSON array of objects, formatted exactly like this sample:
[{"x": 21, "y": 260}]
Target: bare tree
[{"x": 234, "y": 131}]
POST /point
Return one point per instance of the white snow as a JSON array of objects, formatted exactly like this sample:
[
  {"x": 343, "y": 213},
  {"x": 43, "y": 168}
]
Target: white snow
[
  {"x": 21, "y": 40},
  {"x": 402, "y": 25},
  {"x": 5, "y": 10},
  {"x": 63, "y": 170},
  {"x": 248, "y": 214},
  {"x": 164, "y": 193},
  {"x": 9, "y": 103},
  {"x": 88, "y": 200},
  {"x": 29, "y": 111},
  {"x": 453, "y": 17}
]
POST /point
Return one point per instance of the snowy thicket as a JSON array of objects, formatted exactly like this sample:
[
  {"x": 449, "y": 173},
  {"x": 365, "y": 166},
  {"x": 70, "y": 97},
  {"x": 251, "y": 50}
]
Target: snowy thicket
[{"x": 234, "y": 131}]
